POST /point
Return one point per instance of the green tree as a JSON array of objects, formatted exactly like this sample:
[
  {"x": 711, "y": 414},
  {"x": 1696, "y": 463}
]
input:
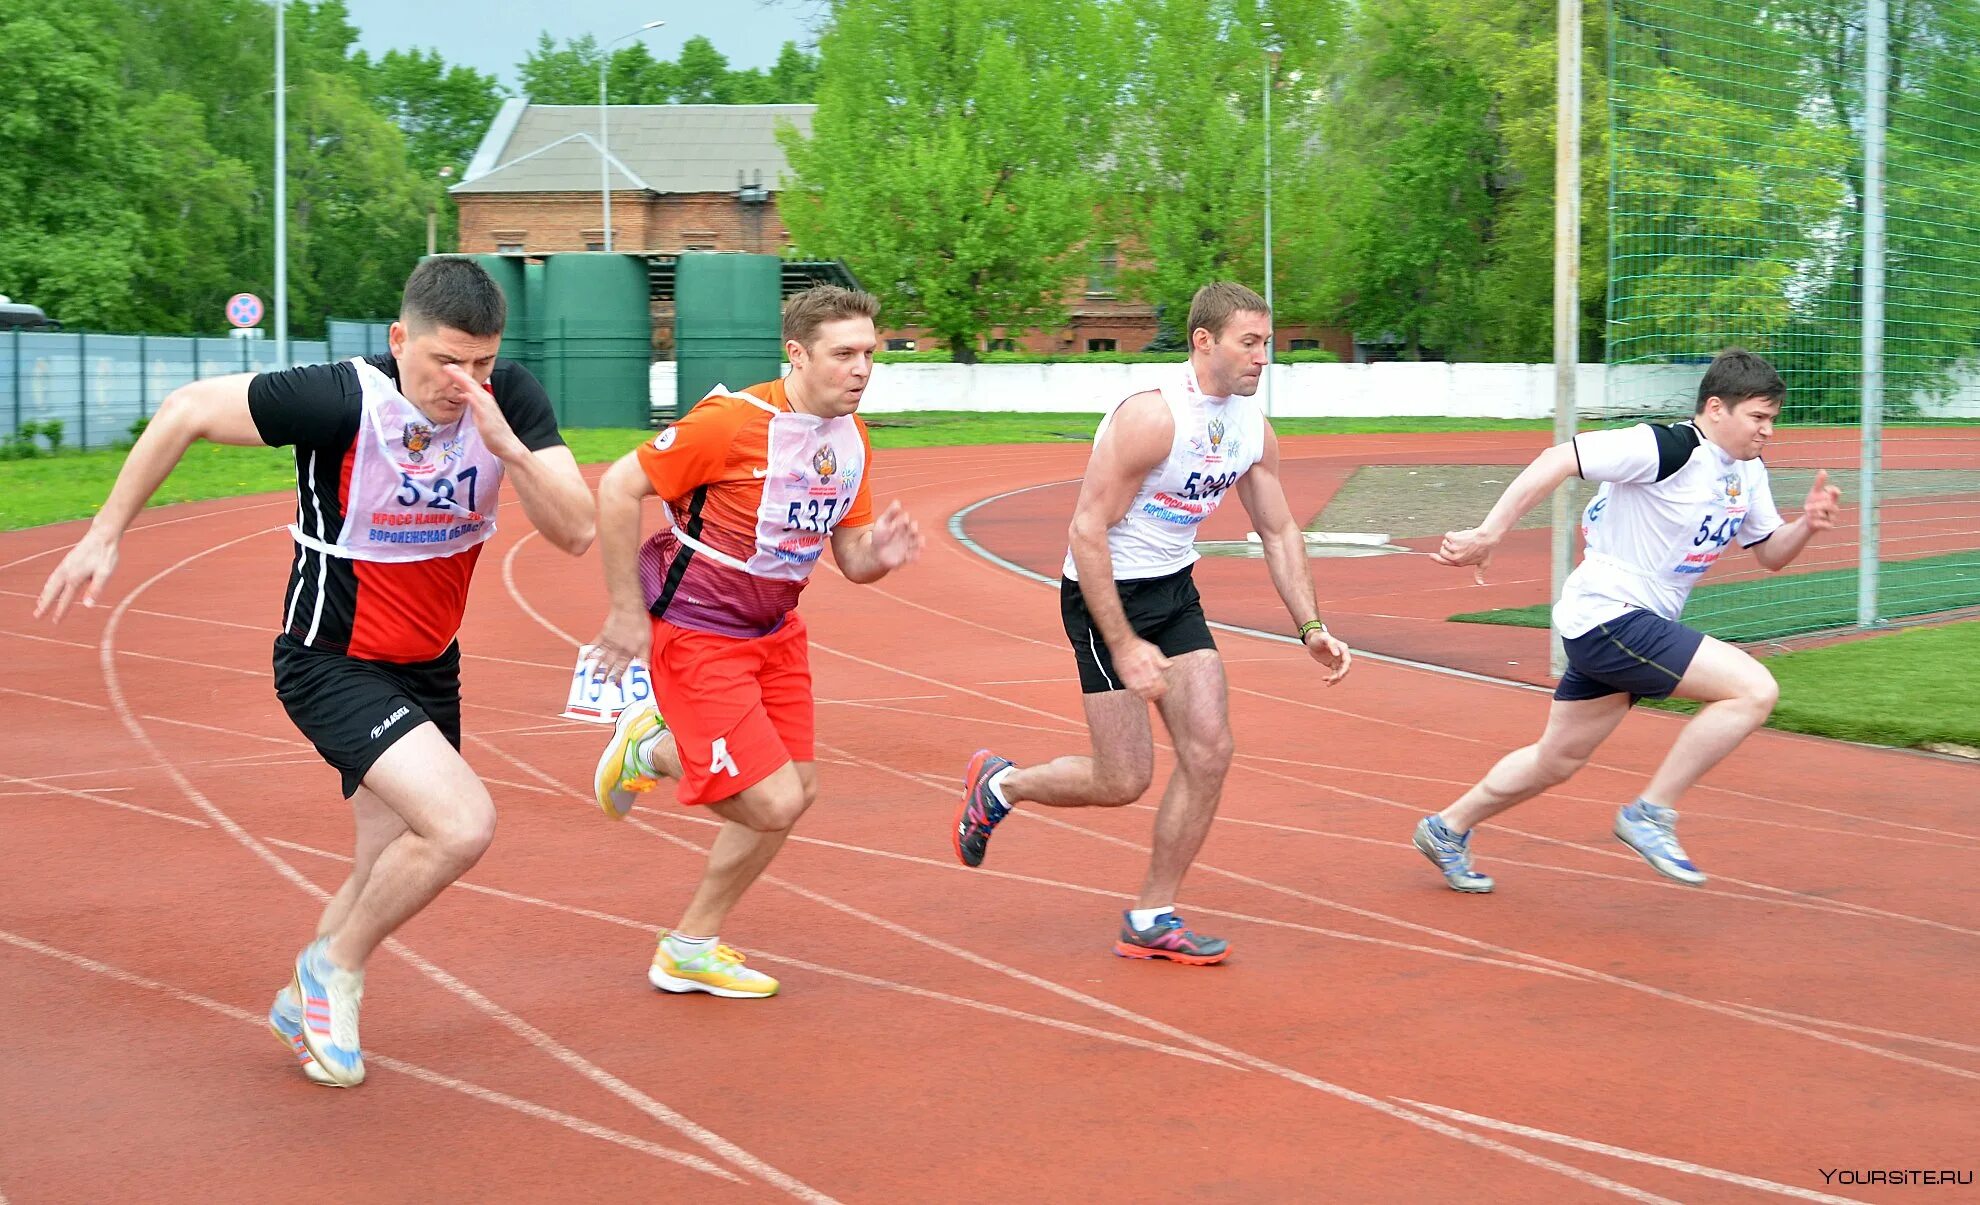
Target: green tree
[
  {"x": 1185, "y": 198},
  {"x": 566, "y": 75},
  {"x": 952, "y": 157},
  {"x": 70, "y": 230},
  {"x": 443, "y": 111},
  {"x": 702, "y": 75}
]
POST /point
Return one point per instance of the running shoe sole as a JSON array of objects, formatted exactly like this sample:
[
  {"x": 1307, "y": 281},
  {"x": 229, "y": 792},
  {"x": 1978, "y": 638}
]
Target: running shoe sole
[{"x": 668, "y": 983}]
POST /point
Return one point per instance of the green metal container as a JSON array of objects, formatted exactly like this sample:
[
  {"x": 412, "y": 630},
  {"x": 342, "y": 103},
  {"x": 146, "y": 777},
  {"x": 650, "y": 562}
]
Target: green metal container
[
  {"x": 508, "y": 273},
  {"x": 597, "y": 338},
  {"x": 728, "y": 323}
]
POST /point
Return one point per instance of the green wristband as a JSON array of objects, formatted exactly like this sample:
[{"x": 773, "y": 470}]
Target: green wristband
[{"x": 1309, "y": 626}]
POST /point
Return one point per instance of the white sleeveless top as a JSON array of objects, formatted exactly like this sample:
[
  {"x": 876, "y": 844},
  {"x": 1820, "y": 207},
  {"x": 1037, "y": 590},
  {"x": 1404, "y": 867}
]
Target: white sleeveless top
[
  {"x": 417, "y": 491},
  {"x": 1217, "y": 440}
]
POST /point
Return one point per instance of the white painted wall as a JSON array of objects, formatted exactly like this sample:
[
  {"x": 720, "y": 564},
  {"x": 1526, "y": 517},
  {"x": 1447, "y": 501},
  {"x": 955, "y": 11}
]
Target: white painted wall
[{"x": 1306, "y": 390}]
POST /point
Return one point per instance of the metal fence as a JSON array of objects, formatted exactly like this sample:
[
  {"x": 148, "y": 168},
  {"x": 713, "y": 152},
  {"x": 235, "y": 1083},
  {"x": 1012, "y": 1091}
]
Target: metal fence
[
  {"x": 1803, "y": 178},
  {"x": 99, "y": 387}
]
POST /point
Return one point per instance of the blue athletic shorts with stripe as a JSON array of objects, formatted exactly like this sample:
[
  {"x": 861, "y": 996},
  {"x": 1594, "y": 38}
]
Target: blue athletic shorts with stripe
[{"x": 1636, "y": 653}]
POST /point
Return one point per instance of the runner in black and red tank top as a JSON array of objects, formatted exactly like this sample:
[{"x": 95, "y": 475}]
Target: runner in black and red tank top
[
  {"x": 380, "y": 611},
  {"x": 400, "y": 465}
]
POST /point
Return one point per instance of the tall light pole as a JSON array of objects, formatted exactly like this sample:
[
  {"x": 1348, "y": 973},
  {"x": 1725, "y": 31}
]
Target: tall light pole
[
  {"x": 281, "y": 193},
  {"x": 1272, "y": 52},
  {"x": 1567, "y": 287},
  {"x": 433, "y": 214},
  {"x": 604, "y": 138}
]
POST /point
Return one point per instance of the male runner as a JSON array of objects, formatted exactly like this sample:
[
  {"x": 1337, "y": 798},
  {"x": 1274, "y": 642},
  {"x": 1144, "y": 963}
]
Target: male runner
[
  {"x": 755, "y": 484},
  {"x": 1162, "y": 462},
  {"x": 1672, "y": 497},
  {"x": 400, "y": 464}
]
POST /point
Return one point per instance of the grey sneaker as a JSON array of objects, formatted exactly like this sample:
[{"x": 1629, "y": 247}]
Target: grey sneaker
[
  {"x": 1651, "y": 830},
  {"x": 1451, "y": 854}
]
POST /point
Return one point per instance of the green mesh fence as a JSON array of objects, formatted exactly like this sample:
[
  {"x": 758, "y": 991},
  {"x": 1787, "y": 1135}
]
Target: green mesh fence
[{"x": 1737, "y": 136}]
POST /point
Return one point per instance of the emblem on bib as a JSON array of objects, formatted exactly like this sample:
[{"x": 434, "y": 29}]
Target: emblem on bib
[
  {"x": 1216, "y": 434},
  {"x": 1731, "y": 482},
  {"x": 417, "y": 437},
  {"x": 824, "y": 462}
]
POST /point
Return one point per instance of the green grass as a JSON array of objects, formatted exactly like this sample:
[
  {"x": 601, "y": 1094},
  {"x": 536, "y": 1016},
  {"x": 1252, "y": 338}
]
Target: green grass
[
  {"x": 1806, "y": 602},
  {"x": 71, "y": 485},
  {"x": 1902, "y": 688}
]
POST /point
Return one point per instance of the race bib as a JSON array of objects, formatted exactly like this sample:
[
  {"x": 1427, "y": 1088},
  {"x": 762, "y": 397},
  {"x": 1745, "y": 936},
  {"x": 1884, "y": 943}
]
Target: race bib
[{"x": 598, "y": 701}]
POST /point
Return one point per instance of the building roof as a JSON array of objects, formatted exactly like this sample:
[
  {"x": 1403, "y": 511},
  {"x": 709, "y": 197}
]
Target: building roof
[{"x": 659, "y": 148}]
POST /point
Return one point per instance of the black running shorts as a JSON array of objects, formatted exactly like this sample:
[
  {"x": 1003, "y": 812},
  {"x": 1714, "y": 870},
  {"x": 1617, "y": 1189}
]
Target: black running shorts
[
  {"x": 353, "y": 711},
  {"x": 1165, "y": 611}
]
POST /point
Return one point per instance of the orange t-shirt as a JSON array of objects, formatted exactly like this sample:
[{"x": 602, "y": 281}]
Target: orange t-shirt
[{"x": 754, "y": 489}]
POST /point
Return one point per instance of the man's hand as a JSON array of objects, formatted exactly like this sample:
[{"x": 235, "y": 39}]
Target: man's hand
[
  {"x": 1142, "y": 668},
  {"x": 1473, "y": 546},
  {"x": 1329, "y": 652},
  {"x": 488, "y": 417},
  {"x": 1823, "y": 502},
  {"x": 623, "y": 639},
  {"x": 87, "y": 568},
  {"x": 896, "y": 538}
]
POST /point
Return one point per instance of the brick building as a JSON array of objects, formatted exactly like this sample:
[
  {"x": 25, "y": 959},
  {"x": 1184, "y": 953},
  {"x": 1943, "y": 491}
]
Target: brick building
[{"x": 706, "y": 178}]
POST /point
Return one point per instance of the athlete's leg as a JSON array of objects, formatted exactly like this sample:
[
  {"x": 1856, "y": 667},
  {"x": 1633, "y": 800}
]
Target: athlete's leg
[
  {"x": 1575, "y": 729},
  {"x": 1115, "y": 774},
  {"x": 755, "y": 824},
  {"x": 1196, "y": 711},
  {"x": 1739, "y": 694},
  {"x": 448, "y": 822}
]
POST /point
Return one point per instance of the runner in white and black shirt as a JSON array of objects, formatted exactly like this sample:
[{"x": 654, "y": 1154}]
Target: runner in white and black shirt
[{"x": 1672, "y": 499}]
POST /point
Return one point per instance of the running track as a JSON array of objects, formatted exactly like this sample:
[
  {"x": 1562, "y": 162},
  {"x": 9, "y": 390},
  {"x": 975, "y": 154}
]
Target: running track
[{"x": 1586, "y": 1033}]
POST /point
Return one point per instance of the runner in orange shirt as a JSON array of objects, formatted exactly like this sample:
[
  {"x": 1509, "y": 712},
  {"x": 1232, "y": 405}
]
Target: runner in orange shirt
[{"x": 755, "y": 484}]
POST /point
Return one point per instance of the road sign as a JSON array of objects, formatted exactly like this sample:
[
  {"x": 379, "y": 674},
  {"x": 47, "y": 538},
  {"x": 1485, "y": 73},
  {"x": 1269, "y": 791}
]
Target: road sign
[{"x": 244, "y": 309}]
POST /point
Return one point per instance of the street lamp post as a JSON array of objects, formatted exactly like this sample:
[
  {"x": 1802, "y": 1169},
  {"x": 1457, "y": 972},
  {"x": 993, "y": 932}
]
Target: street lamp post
[
  {"x": 281, "y": 194},
  {"x": 433, "y": 214},
  {"x": 604, "y": 138},
  {"x": 1272, "y": 52}
]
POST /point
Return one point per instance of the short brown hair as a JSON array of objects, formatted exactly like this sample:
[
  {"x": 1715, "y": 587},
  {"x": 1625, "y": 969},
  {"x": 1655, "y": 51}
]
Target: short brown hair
[
  {"x": 1214, "y": 304},
  {"x": 456, "y": 292},
  {"x": 1737, "y": 375},
  {"x": 805, "y": 312}
]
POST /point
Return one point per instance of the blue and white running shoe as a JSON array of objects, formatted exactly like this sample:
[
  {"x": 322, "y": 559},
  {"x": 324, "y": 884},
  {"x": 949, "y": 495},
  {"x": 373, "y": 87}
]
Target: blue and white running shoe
[
  {"x": 285, "y": 1021},
  {"x": 330, "y": 997},
  {"x": 1651, "y": 830},
  {"x": 1450, "y": 854}
]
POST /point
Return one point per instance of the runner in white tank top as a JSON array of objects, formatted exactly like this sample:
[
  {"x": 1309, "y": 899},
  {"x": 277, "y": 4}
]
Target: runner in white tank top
[
  {"x": 1163, "y": 461},
  {"x": 1672, "y": 499}
]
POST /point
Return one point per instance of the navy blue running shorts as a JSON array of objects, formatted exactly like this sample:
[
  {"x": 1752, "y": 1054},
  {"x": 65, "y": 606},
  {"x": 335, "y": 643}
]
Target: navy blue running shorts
[{"x": 1637, "y": 653}]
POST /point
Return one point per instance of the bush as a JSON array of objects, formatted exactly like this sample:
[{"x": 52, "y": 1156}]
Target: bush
[
  {"x": 138, "y": 426},
  {"x": 21, "y": 446}
]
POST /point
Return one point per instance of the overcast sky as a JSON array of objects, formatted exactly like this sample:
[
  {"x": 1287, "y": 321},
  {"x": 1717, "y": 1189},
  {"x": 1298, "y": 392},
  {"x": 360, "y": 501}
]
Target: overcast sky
[{"x": 494, "y": 35}]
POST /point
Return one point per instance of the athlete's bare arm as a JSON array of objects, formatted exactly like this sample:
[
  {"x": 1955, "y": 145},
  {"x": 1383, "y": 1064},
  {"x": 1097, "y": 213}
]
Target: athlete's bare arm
[
  {"x": 1138, "y": 438},
  {"x": 1818, "y": 513},
  {"x": 1264, "y": 497},
  {"x": 547, "y": 480},
  {"x": 215, "y": 410},
  {"x": 627, "y": 631},
  {"x": 871, "y": 551},
  {"x": 1475, "y": 546}
]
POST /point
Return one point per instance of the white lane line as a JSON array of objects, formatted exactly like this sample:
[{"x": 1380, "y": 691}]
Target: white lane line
[
  {"x": 1623, "y": 1152},
  {"x": 528, "y": 1108},
  {"x": 543, "y": 1042},
  {"x": 817, "y": 968}
]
